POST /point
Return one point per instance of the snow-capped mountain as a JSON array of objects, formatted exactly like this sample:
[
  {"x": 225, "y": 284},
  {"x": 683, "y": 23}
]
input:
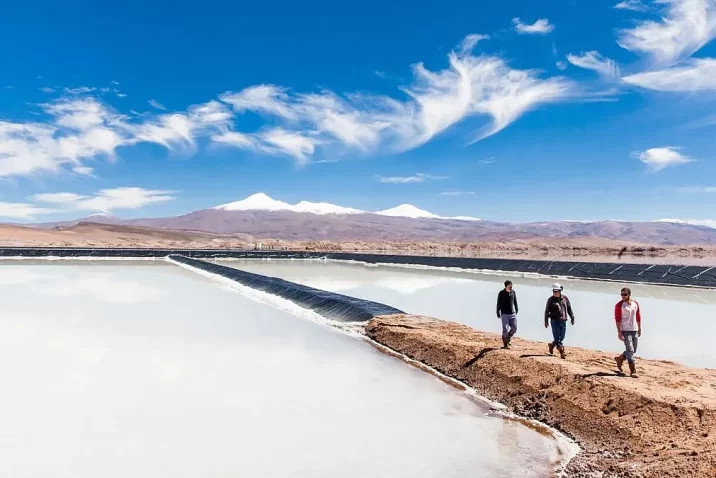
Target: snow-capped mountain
[
  {"x": 692, "y": 222},
  {"x": 263, "y": 202},
  {"x": 408, "y": 210}
]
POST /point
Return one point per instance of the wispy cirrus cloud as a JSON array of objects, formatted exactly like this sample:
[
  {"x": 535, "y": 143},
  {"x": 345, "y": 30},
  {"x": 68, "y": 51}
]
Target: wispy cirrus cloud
[
  {"x": 416, "y": 178},
  {"x": 685, "y": 27},
  {"x": 657, "y": 159},
  {"x": 484, "y": 90},
  {"x": 698, "y": 189},
  {"x": 23, "y": 210},
  {"x": 157, "y": 105},
  {"x": 693, "y": 75},
  {"x": 458, "y": 193},
  {"x": 78, "y": 129},
  {"x": 633, "y": 5},
  {"x": 80, "y": 90},
  {"x": 540, "y": 27},
  {"x": 593, "y": 60},
  {"x": 471, "y": 87},
  {"x": 107, "y": 200},
  {"x": 470, "y": 41}
]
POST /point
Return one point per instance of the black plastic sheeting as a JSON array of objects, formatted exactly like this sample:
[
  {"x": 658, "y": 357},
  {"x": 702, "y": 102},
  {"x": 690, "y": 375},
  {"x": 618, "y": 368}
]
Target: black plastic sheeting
[
  {"x": 695, "y": 276},
  {"x": 338, "y": 307}
]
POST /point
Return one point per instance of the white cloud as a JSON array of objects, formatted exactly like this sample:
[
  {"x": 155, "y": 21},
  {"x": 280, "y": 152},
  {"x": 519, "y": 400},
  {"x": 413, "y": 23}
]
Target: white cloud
[
  {"x": 593, "y": 60},
  {"x": 457, "y": 193},
  {"x": 483, "y": 89},
  {"x": 58, "y": 198},
  {"x": 634, "y": 5},
  {"x": 540, "y": 27},
  {"x": 686, "y": 26},
  {"x": 268, "y": 99},
  {"x": 698, "y": 189},
  {"x": 297, "y": 145},
  {"x": 693, "y": 75},
  {"x": 81, "y": 90},
  {"x": 83, "y": 170},
  {"x": 233, "y": 138},
  {"x": 179, "y": 130},
  {"x": 469, "y": 42},
  {"x": 562, "y": 65},
  {"x": 22, "y": 210},
  {"x": 657, "y": 159},
  {"x": 47, "y": 89},
  {"x": 472, "y": 86},
  {"x": 107, "y": 200},
  {"x": 81, "y": 129},
  {"x": 417, "y": 178},
  {"x": 157, "y": 105}
]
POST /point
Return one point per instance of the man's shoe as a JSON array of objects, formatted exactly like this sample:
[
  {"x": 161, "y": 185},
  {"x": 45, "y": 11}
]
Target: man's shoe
[
  {"x": 632, "y": 370},
  {"x": 551, "y": 348},
  {"x": 505, "y": 343},
  {"x": 619, "y": 359},
  {"x": 561, "y": 352}
]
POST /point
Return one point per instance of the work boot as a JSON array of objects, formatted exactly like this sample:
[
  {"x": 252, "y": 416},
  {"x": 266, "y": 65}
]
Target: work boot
[
  {"x": 505, "y": 343},
  {"x": 619, "y": 359},
  {"x": 632, "y": 370},
  {"x": 561, "y": 351},
  {"x": 551, "y": 348}
]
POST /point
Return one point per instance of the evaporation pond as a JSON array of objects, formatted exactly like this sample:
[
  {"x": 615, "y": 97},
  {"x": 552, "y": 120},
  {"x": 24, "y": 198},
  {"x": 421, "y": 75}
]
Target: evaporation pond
[
  {"x": 678, "y": 324},
  {"x": 116, "y": 370}
]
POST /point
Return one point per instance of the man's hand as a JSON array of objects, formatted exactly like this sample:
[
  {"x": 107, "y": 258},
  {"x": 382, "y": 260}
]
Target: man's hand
[
  {"x": 621, "y": 336},
  {"x": 546, "y": 324},
  {"x": 572, "y": 322},
  {"x": 638, "y": 334}
]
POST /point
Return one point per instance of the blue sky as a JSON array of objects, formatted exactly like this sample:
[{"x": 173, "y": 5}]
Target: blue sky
[{"x": 509, "y": 110}]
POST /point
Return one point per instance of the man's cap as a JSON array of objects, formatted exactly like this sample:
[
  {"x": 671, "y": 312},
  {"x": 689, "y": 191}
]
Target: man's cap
[{"x": 557, "y": 286}]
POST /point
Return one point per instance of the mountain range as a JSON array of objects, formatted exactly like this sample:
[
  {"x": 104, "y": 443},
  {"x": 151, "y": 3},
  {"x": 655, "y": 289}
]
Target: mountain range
[{"x": 262, "y": 217}]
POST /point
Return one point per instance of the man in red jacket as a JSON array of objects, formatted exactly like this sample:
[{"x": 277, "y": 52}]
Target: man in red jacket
[{"x": 627, "y": 315}]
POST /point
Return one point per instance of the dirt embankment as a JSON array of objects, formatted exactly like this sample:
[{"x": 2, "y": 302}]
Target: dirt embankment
[{"x": 661, "y": 424}]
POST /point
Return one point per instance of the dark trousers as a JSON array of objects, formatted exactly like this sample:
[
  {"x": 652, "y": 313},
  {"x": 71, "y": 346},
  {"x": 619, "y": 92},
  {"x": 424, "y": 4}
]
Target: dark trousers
[{"x": 559, "y": 330}]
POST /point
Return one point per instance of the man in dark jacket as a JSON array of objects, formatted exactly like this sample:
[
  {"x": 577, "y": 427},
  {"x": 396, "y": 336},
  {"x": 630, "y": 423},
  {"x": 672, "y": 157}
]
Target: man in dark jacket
[
  {"x": 507, "y": 310},
  {"x": 557, "y": 310}
]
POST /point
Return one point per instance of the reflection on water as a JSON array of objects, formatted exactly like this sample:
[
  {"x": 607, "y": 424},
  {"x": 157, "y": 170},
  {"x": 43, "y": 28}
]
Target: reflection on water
[
  {"x": 678, "y": 322},
  {"x": 156, "y": 371}
]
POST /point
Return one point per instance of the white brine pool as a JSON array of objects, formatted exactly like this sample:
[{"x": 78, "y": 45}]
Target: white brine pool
[
  {"x": 679, "y": 324},
  {"x": 116, "y": 370}
]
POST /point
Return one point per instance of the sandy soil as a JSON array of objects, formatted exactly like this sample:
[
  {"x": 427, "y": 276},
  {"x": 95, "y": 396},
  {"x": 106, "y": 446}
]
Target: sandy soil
[
  {"x": 661, "y": 424},
  {"x": 105, "y": 235}
]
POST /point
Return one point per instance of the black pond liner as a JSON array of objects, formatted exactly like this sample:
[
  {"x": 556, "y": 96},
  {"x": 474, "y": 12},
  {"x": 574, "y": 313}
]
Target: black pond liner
[
  {"x": 338, "y": 307},
  {"x": 677, "y": 275}
]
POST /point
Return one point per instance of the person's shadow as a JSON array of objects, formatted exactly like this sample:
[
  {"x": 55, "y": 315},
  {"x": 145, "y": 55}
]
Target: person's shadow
[
  {"x": 479, "y": 355},
  {"x": 603, "y": 374}
]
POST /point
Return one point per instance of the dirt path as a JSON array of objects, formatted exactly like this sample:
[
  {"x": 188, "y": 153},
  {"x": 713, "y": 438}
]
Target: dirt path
[{"x": 661, "y": 424}]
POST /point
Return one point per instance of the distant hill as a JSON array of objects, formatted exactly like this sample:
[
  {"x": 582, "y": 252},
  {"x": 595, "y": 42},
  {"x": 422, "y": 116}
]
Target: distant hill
[{"x": 262, "y": 217}]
